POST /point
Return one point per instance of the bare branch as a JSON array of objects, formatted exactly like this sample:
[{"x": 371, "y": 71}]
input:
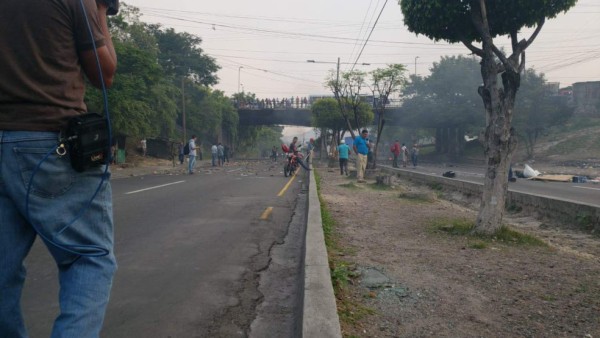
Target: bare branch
[
  {"x": 514, "y": 40},
  {"x": 534, "y": 35},
  {"x": 473, "y": 49},
  {"x": 508, "y": 65},
  {"x": 522, "y": 65}
]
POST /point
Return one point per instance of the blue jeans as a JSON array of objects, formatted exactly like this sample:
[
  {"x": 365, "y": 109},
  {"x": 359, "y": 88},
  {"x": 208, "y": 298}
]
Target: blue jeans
[
  {"x": 191, "y": 164},
  {"x": 57, "y": 194}
]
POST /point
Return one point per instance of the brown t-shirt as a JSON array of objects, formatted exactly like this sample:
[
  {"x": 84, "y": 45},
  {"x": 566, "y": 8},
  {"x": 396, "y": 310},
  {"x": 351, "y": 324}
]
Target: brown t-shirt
[{"x": 41, "y": 79}]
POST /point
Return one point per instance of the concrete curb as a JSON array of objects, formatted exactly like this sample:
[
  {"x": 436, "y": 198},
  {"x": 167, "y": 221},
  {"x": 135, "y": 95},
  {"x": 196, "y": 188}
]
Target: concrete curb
[
  {"x": 320, "y": 318},
  {"x": 585, "y": 216}
]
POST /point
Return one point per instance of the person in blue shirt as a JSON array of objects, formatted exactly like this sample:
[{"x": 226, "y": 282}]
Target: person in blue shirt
[
  {"x": 361, "y": 149},
  {"x": 343, "y": 152}
]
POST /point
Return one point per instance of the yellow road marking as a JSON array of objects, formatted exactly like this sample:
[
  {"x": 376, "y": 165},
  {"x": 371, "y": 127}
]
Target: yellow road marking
[
  {"x": 265, "y": 215},
  {"x": 287, "y": 185}
]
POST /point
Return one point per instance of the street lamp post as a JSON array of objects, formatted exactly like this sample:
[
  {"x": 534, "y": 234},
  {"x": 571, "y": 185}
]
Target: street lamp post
[
  {"x": 239, "y": 74},
  {"x": 416, "y": 57}
]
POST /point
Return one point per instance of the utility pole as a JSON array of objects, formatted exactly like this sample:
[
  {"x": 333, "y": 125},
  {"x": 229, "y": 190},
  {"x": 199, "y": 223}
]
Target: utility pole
[
  {"x": 416, "y": 57},
  {"x": 239, "y": 74},
  {"x": 337, "y": 75},
  {"x": 183, "y": 106}
]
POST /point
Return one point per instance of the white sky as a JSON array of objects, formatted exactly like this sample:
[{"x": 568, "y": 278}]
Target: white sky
[{"x": 272, "y": 39}]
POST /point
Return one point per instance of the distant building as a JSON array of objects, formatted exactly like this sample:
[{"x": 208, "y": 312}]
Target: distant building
[
  {"x": 586, "y": 97},
  {"x": 552, "y": 88}
]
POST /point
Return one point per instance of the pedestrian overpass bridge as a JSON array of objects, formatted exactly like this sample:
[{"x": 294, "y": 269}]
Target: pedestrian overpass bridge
[{"x": 301, "y": 117}]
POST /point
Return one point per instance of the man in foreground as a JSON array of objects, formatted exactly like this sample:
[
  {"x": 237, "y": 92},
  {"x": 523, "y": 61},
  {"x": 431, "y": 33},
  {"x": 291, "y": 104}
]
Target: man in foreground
[
  {"x": 361, "y": 149},
  {"x": 47, "y": 48}
]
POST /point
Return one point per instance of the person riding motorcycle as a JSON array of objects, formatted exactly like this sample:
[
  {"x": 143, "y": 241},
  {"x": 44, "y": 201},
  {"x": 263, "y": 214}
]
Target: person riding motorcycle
[{"x": 294, "y": 151}]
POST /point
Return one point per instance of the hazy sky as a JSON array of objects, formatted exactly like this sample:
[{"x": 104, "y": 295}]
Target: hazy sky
[{"x": 272, "y": 39}]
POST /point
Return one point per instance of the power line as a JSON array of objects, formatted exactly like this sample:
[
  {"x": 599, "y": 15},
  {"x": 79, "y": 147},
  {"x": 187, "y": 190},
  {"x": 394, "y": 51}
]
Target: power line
[{"x": 368, "y": 37}]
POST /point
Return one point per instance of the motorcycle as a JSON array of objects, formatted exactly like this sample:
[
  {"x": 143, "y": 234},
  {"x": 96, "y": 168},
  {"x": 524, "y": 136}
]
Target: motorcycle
[{"x": 291, "y": 165}]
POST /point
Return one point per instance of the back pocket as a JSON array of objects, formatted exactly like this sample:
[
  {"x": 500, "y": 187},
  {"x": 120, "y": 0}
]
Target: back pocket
[{"x": 53, "y": 178}]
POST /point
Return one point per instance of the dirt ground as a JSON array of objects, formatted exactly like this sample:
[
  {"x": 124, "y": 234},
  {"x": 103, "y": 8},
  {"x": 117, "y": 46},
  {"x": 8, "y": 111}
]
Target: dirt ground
[{"x": 412, "y": 281}]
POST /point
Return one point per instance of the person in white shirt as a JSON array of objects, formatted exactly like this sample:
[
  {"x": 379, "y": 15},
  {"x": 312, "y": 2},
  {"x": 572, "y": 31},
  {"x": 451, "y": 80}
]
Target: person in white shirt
[
  {"x": 192, "y": 155},
  {"x": 215, "y": 151}
]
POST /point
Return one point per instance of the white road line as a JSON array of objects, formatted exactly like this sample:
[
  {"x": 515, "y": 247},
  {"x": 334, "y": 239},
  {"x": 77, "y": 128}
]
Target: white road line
[
  {"x": 156, "y": 187},
  {"x": 577, "y": 186}
]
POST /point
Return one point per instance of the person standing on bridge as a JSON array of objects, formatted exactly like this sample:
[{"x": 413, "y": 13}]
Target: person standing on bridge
[
  {"x": 50, "y": 47},
  {"x": 361, "y": 149}
]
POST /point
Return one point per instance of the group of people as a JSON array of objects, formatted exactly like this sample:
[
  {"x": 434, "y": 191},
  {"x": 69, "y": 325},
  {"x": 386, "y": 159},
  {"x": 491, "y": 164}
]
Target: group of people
[
  {"x": 362, "y": 148},
  {"x": 219, "y": 154},
  {"x": 403, "y": 151},
  {"x": 297, "y": 102}
]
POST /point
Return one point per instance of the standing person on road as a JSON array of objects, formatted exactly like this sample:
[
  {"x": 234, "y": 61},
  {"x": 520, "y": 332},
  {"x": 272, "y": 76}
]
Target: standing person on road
[
  {"x": 361, "y": 149},
  {"x": 396, "y": 152},
  {"x": 214, "y": 152},
  {"x": 47, "y": 50},
  {"x": 180, "y": 150},
  {"x": 221, "y": 154},
  {"x": 274, "y": 153},
  {"x": 226, "y": 153},
  {"x": 310, "y": 149},
  {"x": 192, "y": 155},
  {"x": 343, "y": 152},
  {"x": 414, "y": 155},
  {"x": 404, "y": 151},
  {"x": 144, "y": 146}
]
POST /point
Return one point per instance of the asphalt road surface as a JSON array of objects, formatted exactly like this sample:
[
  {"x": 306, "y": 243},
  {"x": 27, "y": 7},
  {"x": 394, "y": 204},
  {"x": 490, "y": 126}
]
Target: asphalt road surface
[
  {"x": 216, "y": 254},
  {"x": 586, "y": 193}
]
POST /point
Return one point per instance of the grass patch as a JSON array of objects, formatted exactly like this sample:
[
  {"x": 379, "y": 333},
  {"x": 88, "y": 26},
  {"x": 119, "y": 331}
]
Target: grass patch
[
  {"x": 477, "y": 244},
  {"x": 506, "y": 235},
  {"x": 342, "y": 272},
  {"x": 572, "y": 144},
  {"x": 436, "y": 186},
  {"x": 585, "y": 220},
  {"x": 350, "y": 185}
]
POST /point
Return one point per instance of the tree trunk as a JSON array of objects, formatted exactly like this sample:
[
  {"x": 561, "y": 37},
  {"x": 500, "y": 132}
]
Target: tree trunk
[
  {"x": 499, "y": 142},
  {"x": 446, "y": 140},
  {"x": 452, "y": 146},
  {"x": 438, "y": 140}
]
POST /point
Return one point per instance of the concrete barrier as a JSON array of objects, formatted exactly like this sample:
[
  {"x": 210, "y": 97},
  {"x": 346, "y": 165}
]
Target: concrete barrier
[
  {"x": 569, "y": 213},
  {"x": 320, "y": 318}
]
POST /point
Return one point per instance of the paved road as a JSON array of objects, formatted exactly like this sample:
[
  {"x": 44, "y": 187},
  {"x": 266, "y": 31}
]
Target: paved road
[
  {"x": 587, "y": 193},
  {"x": 195, "y": 257}
]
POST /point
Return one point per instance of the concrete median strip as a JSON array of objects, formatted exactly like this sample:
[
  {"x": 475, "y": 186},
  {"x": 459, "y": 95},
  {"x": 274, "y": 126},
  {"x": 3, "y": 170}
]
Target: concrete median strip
[
  {"x": 569, "y": 212},
  {"x": 320, "y": 318}
]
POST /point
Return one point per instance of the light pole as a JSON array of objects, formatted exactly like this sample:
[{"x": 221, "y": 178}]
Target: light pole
[
  {"x": 239, "y": 74},
  {"x": 416, "y": 57}
]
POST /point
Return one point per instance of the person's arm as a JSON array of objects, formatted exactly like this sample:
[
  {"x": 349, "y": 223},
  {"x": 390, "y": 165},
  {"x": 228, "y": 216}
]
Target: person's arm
[
  {"x": 354, "y": 148},
  {"x": 106, "y": 55}
]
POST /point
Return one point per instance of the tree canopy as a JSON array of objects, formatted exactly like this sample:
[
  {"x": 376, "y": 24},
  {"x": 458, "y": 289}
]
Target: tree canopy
[
  {"x": 448, "y": 96},
  {"x": 158, "y": 67},
  {"x": 451, "y": 20}
]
